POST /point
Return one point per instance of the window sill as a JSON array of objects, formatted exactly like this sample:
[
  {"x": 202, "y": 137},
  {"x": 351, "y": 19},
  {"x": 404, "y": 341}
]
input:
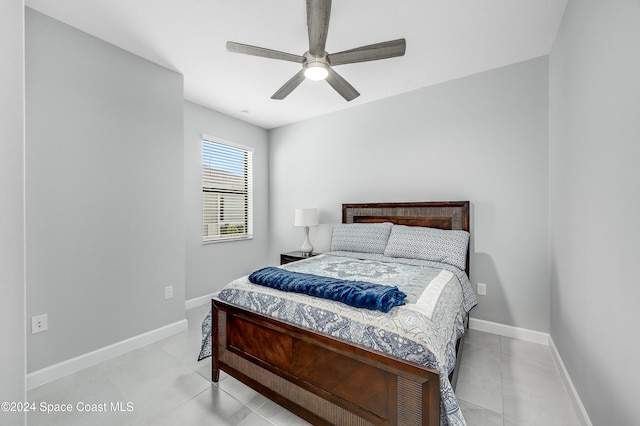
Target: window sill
[{"x": 228, "y": 239}]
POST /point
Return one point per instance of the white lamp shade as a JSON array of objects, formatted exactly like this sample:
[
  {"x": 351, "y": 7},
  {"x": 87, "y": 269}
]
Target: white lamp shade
[{"x": 306, "y": 217}]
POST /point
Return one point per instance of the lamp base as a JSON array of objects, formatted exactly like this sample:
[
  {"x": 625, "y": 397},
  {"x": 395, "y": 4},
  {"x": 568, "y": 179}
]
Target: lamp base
[{"x": 306, "y": 248}]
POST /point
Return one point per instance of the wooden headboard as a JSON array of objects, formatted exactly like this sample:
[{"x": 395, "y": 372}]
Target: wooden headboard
[{"x": 432, "y": 214}]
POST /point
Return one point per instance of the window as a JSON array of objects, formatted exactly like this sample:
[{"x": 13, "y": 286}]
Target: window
[{"x": 227, "y": 190}]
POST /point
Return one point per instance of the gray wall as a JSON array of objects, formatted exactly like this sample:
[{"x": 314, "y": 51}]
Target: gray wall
[
  {"x": 595, "y": 204},
  {"x": 12, "y": 324},
  {"x": 104, "y": 192},
  {"x": 482, "y": 138},
  {"x": 211, "y": 266}
]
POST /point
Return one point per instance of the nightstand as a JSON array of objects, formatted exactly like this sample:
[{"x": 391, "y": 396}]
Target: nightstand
[{"x": 292, "y": 256}]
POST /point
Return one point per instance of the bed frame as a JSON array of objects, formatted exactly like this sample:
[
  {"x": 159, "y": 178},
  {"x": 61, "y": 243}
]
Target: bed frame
[{"x": 324, "y": 380}]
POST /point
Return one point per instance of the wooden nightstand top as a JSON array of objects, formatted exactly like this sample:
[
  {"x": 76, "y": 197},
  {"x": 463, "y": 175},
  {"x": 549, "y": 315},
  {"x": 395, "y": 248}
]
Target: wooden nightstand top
[{"x": 293, "y": 256}]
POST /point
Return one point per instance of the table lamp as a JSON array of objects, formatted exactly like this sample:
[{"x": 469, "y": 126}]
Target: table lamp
[{"x": 306, "y": 218}]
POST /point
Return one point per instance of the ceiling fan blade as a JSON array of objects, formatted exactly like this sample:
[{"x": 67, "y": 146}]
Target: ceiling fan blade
[
  {"x": 261, "y": 51},
  {"x": 289, "y": 86},
  {"x": 372, "y": 52},
  {"x": 318, "y": 13},
  {"x": 341, "y": 85}
]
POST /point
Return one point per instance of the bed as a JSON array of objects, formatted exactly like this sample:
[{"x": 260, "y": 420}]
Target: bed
[{"x": 330, "y": 363}]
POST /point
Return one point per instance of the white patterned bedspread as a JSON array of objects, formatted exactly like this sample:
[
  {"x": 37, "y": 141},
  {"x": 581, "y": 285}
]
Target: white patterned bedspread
[{"x": 423, "y": 331}]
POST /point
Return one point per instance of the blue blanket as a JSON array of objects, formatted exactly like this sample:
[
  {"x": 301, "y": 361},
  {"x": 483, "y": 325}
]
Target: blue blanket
[{"x": 359, "y": 294}]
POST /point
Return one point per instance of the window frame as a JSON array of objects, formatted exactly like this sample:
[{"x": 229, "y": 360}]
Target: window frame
[{"x": 248, "y": 190}]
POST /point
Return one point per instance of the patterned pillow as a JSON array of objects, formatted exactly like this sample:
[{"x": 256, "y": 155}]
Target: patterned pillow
[
  {"x": 438, "y": 245},
  {"x": 361, "y": 237}
]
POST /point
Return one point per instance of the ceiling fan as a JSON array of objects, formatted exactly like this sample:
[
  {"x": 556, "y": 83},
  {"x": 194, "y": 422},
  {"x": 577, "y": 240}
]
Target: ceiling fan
[{"x": 317, "y": 64}]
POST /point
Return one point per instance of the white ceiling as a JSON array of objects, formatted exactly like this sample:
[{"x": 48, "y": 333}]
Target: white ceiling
[{"x": 446, "y": 39}]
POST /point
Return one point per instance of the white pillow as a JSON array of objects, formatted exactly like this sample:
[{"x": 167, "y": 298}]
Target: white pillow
[
  {"x": 361, "y": 237},
  {"x": 438, "y": 245}
]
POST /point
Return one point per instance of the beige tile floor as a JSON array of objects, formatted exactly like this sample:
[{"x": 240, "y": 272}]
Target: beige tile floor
[{"x": 502, "y": 382}]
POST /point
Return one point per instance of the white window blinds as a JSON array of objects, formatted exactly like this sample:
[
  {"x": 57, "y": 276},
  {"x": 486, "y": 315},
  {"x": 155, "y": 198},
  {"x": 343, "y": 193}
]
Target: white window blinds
[{"x": 227, "y": 191}]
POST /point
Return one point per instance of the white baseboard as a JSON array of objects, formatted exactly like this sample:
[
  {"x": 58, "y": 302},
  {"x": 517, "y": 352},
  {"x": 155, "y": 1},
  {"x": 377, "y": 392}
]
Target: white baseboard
[
  {"x": 64, "y": 368},
  {"x": 199, "y": 301},
  {"x": 509, "y": 331},
  {"x": 568, "y": 383}
]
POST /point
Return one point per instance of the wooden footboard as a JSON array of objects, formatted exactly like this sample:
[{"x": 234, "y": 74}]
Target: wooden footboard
[{"x": 323, "y": 380}]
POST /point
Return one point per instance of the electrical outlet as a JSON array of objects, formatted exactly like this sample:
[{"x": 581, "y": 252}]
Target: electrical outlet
[
  {"x": 39, "y": 324},
  {"x": 482, "y": 289},
  {"x": 168, "y": 292}
]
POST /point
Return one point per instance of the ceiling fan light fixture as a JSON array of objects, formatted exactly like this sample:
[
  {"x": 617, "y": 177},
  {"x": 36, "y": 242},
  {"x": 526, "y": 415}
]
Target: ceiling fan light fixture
[
  {"x": 315, "y": 67},
  {"x": 316, "y": 72}
]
